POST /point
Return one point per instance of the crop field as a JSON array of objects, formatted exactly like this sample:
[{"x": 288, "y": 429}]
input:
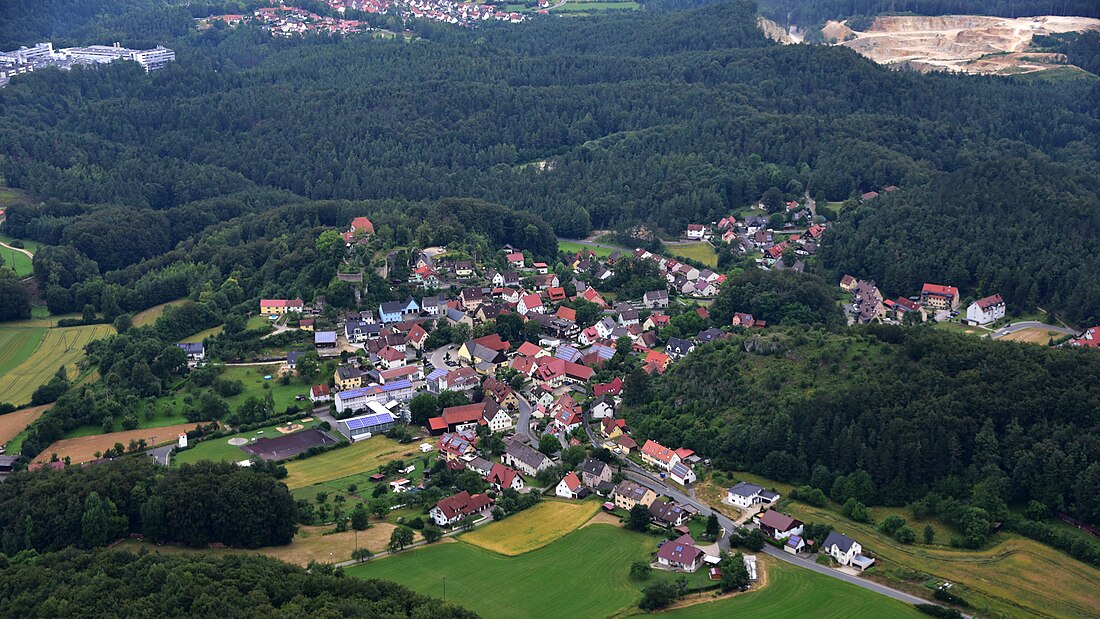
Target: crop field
[
  {"x": 17, "y": 345},
  {"x": 584, "y": 574},
  {"x": 12, "y": 424},
  {"x": 1033, "y": 335},
  {"x": 56, "y": 348},
  {"x": 149, "y": 316},
  {"x": 1016, "y": 577},
  {"x": 366, "y": 455},
  {"x": 83, "y": 448},
  {"x": 703, "y": 252},
  {"x": 795, "y": 593},
  {"x": 533, "y": 528},
  {"x": 310, "y": 544}
]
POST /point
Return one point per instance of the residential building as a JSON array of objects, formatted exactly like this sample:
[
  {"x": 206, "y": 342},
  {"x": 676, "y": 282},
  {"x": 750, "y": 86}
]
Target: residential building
[
  {"x": 696, "y": 232},
  {"x": 678, "y": 348},
  {"x": 397, "y": 311},
  {"x": 682, "y": 474},
  {"x": 939, "y": 297},
  {"x": 1089, "y": 339},
  {"x": 594, "y": 471},
  {"x": 357, "y": 399},
  {"x": 569, "y": 487},
  {"x": 681, "y": 554},
  {"x": 320, "y": 393},
  {"x": 278, "y": 307},
  {"x": 667, "y": 514},
  {"x": 846, "y": 551},
  {"x": 530, "y": 303},
  {"x": 659, "y": 456},
  {"x": 777, "y": 525},
  {"x": 656, "y": 299},
  {"x": 501, "y": 477},
  {"x": 524, "y": 458},
  {"x": 745, "y": 495},
  {"x": 987, "y": 310},
  {"x": 195, "y": 351},
  {"x": 628, "y": 494},
  {"x": 452, "y": 509},
  {"x": 347, "y": 377}
]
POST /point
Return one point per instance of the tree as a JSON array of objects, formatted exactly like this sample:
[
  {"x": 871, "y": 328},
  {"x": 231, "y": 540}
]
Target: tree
[
  {"x": 379, "y": 506},
  {"x": 638, "y": 518},
  {"x": 773, "y": 200},
  {"x": 905, "y": 535},
  {"x": 153, "y": 524},
  {"x": 636, "y": 387},
  {"x": 549, "y": 444},
  {"x": 658, "y": 594},
  {"x": 432, "y": 533},
  {"x": 15, "y": 301},
  {"x": 467, "y": 523},
  {"x": 929, "y": 534},
  {"x": 423, "y": 407},
  {"x": 360, "y": 518},
  {"x": 891, "y": 524},
  {"x": 735, "y": 575},
  {"x": 308, "y": 365},
  {"x": 713, "y": 528},
  {"x": 100, "y": 522},
  {"x": 754, "y": 540},
  {"x": 640, "y": 570},
  {"x": 572, "y": 456},
  {"x": 360, "y": 555},
  {"x": 855, "y": 510},
  {"x": 401, "y": 537},
  {"x": 88, "y": 315}
]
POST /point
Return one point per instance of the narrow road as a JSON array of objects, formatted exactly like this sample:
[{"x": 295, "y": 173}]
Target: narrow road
[
  {"x": 523, "y": 425},
  {"x": 162, "y": 455}
]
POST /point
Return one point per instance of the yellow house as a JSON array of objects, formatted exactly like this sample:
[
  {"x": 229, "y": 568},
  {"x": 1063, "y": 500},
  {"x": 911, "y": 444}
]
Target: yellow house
[
  {"x": 306, "y": 324},
  {"x": 628, "y": 494},
  {"x": 347, "y": 377}
]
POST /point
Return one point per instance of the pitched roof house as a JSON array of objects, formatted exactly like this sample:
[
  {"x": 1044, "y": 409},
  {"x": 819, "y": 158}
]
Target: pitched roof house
[{"x": 454, "y": 508}]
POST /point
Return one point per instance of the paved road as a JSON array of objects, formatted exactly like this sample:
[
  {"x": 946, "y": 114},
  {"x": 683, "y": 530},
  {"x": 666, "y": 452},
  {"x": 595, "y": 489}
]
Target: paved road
[
  {"x": 523, "y": 425},
  {"x": 1032, "y": 324},
  {"x": 162, "y": 455},
  {"x": 436, "y": 357}
]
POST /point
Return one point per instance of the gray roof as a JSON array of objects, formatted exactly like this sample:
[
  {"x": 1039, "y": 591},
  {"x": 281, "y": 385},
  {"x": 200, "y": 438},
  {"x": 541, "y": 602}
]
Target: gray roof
[
  {"x": 745, "y": 489},
  {"x": 630, "y": 489},
  {"x": 678, "y": 346},
  {"x": 526, "y": 454},
  {"x": 843, "y": 542},
  {"x": 593, "y": 466}
]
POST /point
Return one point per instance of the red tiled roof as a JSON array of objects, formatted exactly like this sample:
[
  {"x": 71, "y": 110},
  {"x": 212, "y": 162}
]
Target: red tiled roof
[
  {"x": 463, "y": 504},
  {"x": 572, "y": 481},
  {"x": 656, "y": 450},
  {"x": 464, "y": 414},
  {"x": 362, "y": 224},
  {"x": 937, "y": 289},
  {"x": 990, "y": 301}
]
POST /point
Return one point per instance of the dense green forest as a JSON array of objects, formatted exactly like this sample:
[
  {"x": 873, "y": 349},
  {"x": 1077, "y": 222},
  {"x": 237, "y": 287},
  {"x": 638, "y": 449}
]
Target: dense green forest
[
  {"x": 656, "y": 117},
  {"x": 93, "y": 505},
  {"x": 108, "y": 583},
  {"x": 905, "y": 412},
  {"x": 810, "y": 12}
]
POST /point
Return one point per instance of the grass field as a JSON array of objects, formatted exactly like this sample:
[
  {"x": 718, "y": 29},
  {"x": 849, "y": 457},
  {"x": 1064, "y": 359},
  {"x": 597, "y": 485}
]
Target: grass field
[
  {"x": 1017, "y": 577},
  {"x": 1034, "y": 335},
  {"x": 202, "y": 335},
  {"x": 310, "y": 544},
  {"x": 536, "y": 527},
  {"x": 252, "y": 381},
  {"x": 149, "y": 316},
  {"x": 595, "y": 6},
  {"x": 570, "y": 247},
  {"x": 703, "y": 252},
  {"x": 365, "y": 455},
  {"x": 16, "y": 259},
  {"x": 795, "y": 593},
  {"x": 584, "y": 574},
  {"x": 12, "y": 424},
  {"x": 82, "y": 449},
  {"x": 10, "y": 196},
  {"x": 57, "y": 347}
]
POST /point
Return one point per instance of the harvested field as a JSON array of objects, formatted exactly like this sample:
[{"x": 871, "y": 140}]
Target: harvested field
[
  {"x": 533, "y": 528},
  {"x": 58, "y": 347},
  {"x": 83, "y": 448},
  {"x": 1032, "y": 336},
  {"x": 13, "y": 423},
  {"x": 959, "y": 43}
]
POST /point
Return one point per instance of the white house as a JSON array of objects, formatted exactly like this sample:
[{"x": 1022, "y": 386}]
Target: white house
[
  {"x": 682, "y": 474},
  {"x": 452, "y": 509},
  {"x": 745, "y": 495},
  {"x": 846, "y": 551},
  {"x": 696, "y": 232},
  {"x": 497, "y": 419},
  {"x": 985, "y": 311},
  {"x": 530, "y": 303},
  {"x": 569, "y": 487},
  {"x": 603, "y": 409}
]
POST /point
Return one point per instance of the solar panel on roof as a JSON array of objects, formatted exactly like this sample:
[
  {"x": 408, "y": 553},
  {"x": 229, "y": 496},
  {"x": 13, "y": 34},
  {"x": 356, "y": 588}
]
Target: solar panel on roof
[{"x": 368, "y": 421}]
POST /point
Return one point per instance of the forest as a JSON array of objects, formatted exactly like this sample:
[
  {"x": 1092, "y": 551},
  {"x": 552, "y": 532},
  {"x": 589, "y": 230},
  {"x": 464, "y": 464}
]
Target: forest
[
  {"x": 655, "y": 117},
  {"x": 195, "y": 505},
  {"x": 895, "y": 414},
  {"x": 74, "y": 583}
]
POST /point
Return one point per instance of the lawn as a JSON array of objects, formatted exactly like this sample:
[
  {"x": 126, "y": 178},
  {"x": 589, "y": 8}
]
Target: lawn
[
  {"x": 259, "y": 322},
  {"x": 703, "y": 252},
  {"x": 596, "y": 6},
  {"x": 16, "y": 259},
  {"x": 202, "y": 335},
  {"x": 10, "y": 196},
  {"x": 57, "y": 347},
  {"x": 1016, "y": 577},
  {"x": 584, "y": 574},
  {"x": 219, "y": 449},
  {"x": 571, "y": 247},
  {"x": 149, "y": 316},
  {"x": 253, "y": 383},
  {"x": 366, "y": 455},
  {"x": 83, "y": 448},
  {"x": 795, "y": 592},
  {"x": 534, "y": 527},
  {"x": 310, "y": 544}
]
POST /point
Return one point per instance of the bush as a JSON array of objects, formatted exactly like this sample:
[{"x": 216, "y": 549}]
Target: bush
[
  {"x": 891, "y": 524},
  {"x": 946, "y": 595},
  {"x": 857, "y": 511},
  {"x": 658, "y": 595},
  {"x": 939, "y": 611},
  {"x": 640, "y": 570},
  {"x": 905, "y": 535},
  {"x": 811, "y": 495}
]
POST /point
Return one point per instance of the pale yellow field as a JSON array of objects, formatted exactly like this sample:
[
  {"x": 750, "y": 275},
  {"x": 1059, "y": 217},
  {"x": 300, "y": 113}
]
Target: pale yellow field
[
  {"x": 533, "y": 528},
  {"x": 1034, "y": 335},
  {"x": 59, "y": 347},
  {"x": 83, "y": 448},
  {"x": 149, "y": 316}
]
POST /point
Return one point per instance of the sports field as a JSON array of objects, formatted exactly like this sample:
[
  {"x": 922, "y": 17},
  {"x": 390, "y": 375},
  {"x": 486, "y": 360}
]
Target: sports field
[
  {"x": 795, "y": 592},
  {"x": 219, "y": 449},
  {"x": 703, "y": 252},
  {"x": 584, "y": 574},
  {"x": 533, "y": 528},
  {"x": 11, "y": 424},
  {"x": 149, "y": 316},
  {"x": 310, "y": 544},
  {"x": 56, "y": 348},
  {"x": 366, "y": 455},
  {"x": 83, "y": 448}
]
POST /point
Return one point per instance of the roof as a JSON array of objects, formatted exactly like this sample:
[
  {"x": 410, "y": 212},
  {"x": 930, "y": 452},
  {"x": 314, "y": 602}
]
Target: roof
[
  {"x": 528, "y": 349},
  {"x": 679, "y": 346},
  {"x": 324, "y": 337},
  {"x": 571, "y": 481},
  {"x": 468, "y": 412},
  {"x": 319, "y": 390},
  {"x": 501, "y": 475},
  {"x": 680, "y": 470},
  {"x": 666, "y": 511},
  {"x": 526, "y": 454},
  {"x": 632, "y": 490},
  {"x": 937, "y": 289},
  {"x": 658, "y": 451},
  {"x": 362, "y": 224},
  {"x": 613, "y": 388},
  {"x": 990, "y": 301},
  {"x": 778, "y": 521},
  {"x": 842, "y": 542},
  {"x": 593, "y": 466},
  {"x": 745, "y": 489},
  {"x": 463, "y": 504},
  {"x": 682, "y": 550},
  {"x": 531, "y": 300},
  {"x": 191, "y": 348},
  {"x": 368, "y": 421}
]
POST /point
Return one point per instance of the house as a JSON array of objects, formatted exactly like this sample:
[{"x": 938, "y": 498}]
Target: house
[
  {"x": 746, "y": 495},
  {"x": 361, "y": 226},
  {"x": 628, "y": 494},
  {"x": 501, "y": 477},
  {"x": 659, "y": 456},
  {"x": 848, "y": 283},
  {"x": 433, "y": 306},
  {"x": 846, "y": 551},
  {"x": 656, "y": 299},
  {"x": 461, "y": 379},
  {"x": 939, "y": 297},
  {"x": 603, "y": 408},
  {"x": 306, "y": 324},
  {"x": 390, "y": 357},
  {"x": 656, "y": 321},
  {"x": 467, "y": 416},
  {"x": 678, "y": 348},
  {"x": 709, "y": 335},
  {"x": 612, "y": 428},
  {"x": 416, "y": 337},
  {"x": 475, "y": 353},
  {"x": 987, "y": 310},
  {"x": 195, "y": 351},
  {"x": 569, "y": 487},
  {"x": 530, "y": 303},
  {"x": 515, "y": 260},
  {"x": 524, "y": 458},
  {"x": 347, "y": 377},
  {"x": 681, "y": 554},
  {"x": 452, "y": 509},
  {"x": 292, "y": 359},
  {"x": 356, "y": 331},
  {"x": 696, "y": 232},
  {"x": 743, "y": 320},
  {"x": 320, "y": 393},
  {"x": 456, "y": 445},
  {"x": 870, "y": 195},
  {"x": 594, "y": 471},
  {"x": 495, "y": 417},
  {"x": 1089, "y": 339},
  {"x": 278, "y": 307},
  {"x": 615, "y": 387},
  {"x": 655, "y": 361},
  {"x": 405, "y": 372},
  {"x": 667, "y": 514},
  {"x": 592, "y": 296},
  {"x": 397, "y": 311},
  {"x": 626, "y": 315},
  {"x": 795, "y": 544},
  {"x": 542, "y": 268},
  {"x": 464, "y": 268},
  {"x": 867, "y": 301},
  {"x": 682, "y": 474},
  {"x": 457, "y": 317},
  {"x": 501, "y": 393},
  {"x": 777, "y": 525}
]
